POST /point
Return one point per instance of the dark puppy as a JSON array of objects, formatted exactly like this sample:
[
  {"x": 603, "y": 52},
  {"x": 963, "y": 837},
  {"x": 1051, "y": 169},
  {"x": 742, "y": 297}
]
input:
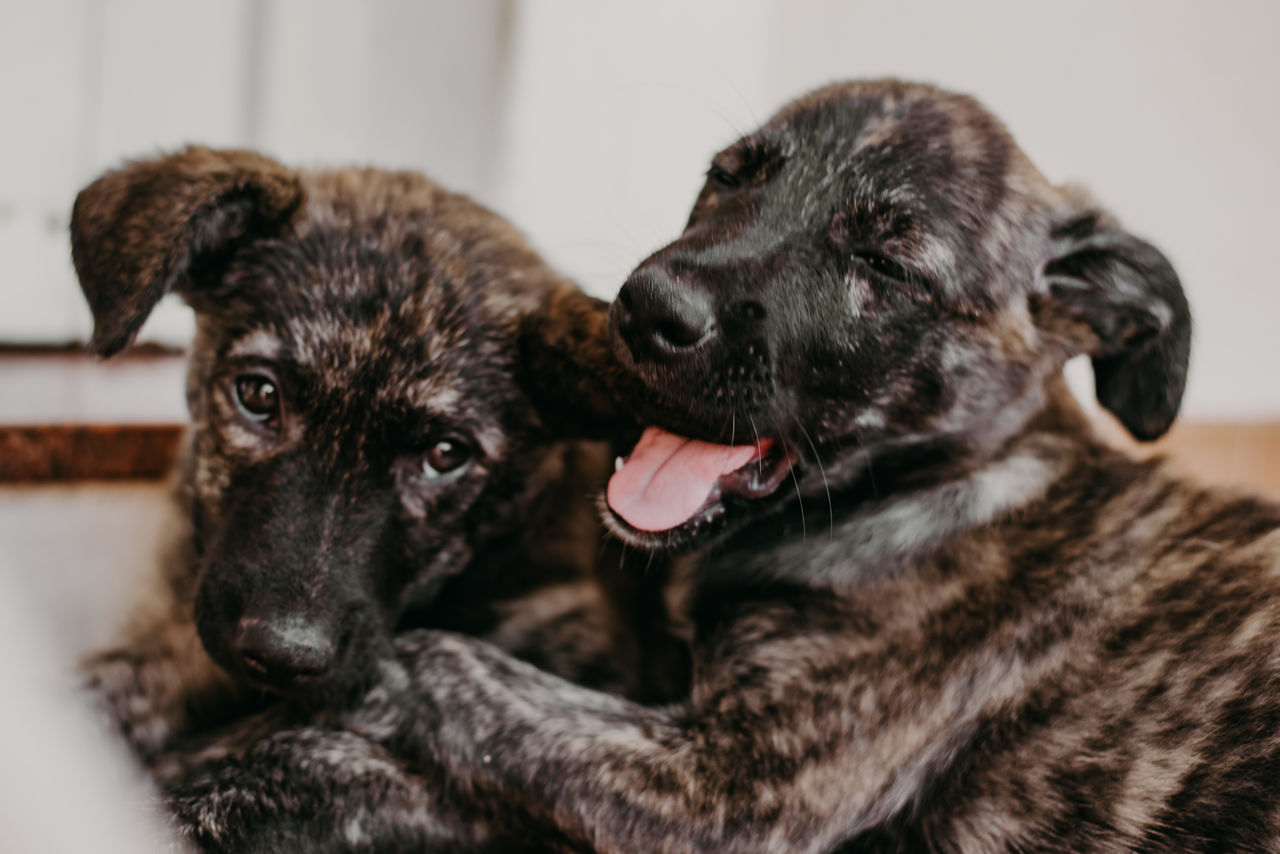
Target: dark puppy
[
  {"x": 377, "y": 402},
  {"x": 933, "y": 612}
]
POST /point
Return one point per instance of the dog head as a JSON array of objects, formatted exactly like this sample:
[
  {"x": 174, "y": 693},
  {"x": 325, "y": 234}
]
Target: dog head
[
  {"x": 377, "y": 390},
  {"x": 877, "y": 274}
]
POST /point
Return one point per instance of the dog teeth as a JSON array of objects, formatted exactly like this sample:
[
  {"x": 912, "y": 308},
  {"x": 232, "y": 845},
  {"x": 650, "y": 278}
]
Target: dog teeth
[{"x": 617, "y": 463}]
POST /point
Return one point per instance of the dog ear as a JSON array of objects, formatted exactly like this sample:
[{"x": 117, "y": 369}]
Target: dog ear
[
  {"x": 1127, "y": 292},
  {"x": 568, "y": 369},
  {"x": 141, "y": 231}
]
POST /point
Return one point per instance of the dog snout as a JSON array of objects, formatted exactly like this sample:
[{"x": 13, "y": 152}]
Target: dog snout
[
  {"x": 284, "y": 651},
  {"x": 661, "y": 318}
]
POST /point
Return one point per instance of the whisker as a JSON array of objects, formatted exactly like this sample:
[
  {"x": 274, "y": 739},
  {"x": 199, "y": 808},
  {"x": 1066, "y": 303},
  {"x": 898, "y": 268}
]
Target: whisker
[
  {"x": 804, "y": 529},
  {"x": 759, "y": 448},
  {"x": 870, "y": 474},
  {"x": 831, "y": 512},
  {"x": 622, "y": 559},
  {"x": 649, "y": 563}
]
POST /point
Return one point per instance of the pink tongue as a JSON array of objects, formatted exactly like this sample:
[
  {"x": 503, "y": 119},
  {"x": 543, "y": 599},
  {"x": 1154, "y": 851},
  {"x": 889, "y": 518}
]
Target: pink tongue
[{"x": 668, "y": 478}]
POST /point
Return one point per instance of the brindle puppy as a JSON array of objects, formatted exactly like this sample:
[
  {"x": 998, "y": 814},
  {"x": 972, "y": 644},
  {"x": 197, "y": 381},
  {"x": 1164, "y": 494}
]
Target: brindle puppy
[
  {"x": 377, "y": 403},
  {"x": 933, "y": 612}
]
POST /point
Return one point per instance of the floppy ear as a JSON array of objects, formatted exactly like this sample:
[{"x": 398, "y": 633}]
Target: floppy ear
[
  {"x": 568, "y": 369},
  {"x": 140, "y": 231},
  {"x": 1127, "y": 292}
]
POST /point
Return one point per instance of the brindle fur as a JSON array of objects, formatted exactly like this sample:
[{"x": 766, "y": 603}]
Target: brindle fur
[
  {"x": 391, "y": 313},
  {"x": 971, "y": 626}
]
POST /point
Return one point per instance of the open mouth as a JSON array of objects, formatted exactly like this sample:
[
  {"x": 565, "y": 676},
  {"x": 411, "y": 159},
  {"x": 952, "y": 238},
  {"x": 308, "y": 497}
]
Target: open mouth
[{"x": 669, "y": 480}]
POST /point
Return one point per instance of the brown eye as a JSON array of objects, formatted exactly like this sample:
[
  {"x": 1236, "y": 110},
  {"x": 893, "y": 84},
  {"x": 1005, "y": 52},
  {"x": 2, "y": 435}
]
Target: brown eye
[
  {"x": 446, "y": 455},
  {"x": 258, "y": 397}
]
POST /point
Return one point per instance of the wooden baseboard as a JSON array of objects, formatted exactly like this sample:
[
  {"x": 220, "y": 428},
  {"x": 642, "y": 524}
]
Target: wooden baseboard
[
  {"x": 1246, "y": 455},
  {"x": 60, "y": 452},
  {"x": 67, "y": 416}
]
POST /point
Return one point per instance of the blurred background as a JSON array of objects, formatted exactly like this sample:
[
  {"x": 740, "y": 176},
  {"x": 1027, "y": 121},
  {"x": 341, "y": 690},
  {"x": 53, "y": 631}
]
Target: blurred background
[{"x": 589, "y": 125}]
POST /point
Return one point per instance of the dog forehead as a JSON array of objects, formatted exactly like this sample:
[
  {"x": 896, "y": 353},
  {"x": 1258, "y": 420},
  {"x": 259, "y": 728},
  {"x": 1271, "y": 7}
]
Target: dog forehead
[
  {"x": 418, "y": 316},
  {"x": 435, "y": 349},
  {"x": 896, "y": 141},
  {"x": 340, "y": 344},
  {"x": 925, "y": 173},
  {"x": 872, "y": 111},
  {"x": 384, "y": 268}
]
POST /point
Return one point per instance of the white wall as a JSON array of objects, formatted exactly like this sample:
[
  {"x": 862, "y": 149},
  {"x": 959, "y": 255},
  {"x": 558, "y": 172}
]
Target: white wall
[
  {"x": 590, "y": 123},
  {"x": 85, "y": 84}
]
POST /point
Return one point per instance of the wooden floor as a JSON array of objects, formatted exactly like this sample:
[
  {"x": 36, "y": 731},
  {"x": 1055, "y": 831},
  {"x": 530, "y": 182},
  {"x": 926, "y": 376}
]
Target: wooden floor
[{"x": 1239, "y": 454}]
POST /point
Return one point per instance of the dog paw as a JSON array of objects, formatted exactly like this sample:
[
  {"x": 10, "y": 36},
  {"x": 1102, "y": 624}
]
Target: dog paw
[
  {"x": 207, "y": 815},
  {"x": 305, "y": 789},
  {"x": 117, "y": 692}
]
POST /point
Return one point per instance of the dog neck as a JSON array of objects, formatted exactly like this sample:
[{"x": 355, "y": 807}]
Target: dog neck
[{"x": 889, "y": 525}]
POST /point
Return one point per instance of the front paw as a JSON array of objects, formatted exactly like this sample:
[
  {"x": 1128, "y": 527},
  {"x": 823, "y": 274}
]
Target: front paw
[
  {"x": 124, "y": 704},
  {"x": 251, "y": 789},
  {"x": 317, "y": 790},
  {"x": 432, "y": 694},
  {"x": 225, "y": 807},
  {"x": 203, "y": 814}
]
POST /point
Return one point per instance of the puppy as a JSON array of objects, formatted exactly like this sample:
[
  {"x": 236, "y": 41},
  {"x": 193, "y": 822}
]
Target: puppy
[
  {"x": 932, "y": 611},
  {"x": 378, "y": 402}
]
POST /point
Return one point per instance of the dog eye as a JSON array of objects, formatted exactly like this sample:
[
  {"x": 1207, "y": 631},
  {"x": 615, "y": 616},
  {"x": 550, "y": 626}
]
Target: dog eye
[
  {"x": 881, "y": 265},
  {"x": 258, "y": 397},
  {"x": 446, "y": 455},
  {"x": 722, "y": 178}
]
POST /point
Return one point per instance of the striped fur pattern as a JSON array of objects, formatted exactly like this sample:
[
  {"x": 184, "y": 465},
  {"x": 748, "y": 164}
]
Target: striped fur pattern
[
  {"x": 367, "y": 452},
  {"x": 969, "y": 627}
]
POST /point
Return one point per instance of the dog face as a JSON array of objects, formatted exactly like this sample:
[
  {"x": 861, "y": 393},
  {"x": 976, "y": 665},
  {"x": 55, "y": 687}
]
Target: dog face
[
  {"x": 877, "y": 274},
  {"x": 361, "y": 390}
]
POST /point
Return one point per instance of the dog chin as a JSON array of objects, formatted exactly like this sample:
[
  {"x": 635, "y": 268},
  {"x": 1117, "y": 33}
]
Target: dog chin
[
  {"x": 335, "y": 692},
  {"x": 710, "y": 523},
  {"x": 714, "y": 522}
]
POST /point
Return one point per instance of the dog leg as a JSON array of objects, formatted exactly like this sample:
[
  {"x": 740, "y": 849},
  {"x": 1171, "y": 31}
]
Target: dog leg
[
  {"x": 521, "y": 746},
  {"x": 758, "y": 758},
  {"x": 612, "y": 773},
  {"x": 316, "y": 790},
  {"x": 270, "y": 784}
]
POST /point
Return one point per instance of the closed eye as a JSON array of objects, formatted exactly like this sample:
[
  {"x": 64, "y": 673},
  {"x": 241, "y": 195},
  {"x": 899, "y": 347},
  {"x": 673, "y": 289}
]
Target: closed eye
[
  {"x": 722, "y": 178},
  {"x": 747, "y": 162},
  {"x": 882, "y": 265}
]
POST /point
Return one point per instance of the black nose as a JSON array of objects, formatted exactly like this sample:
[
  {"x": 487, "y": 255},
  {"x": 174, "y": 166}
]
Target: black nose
[
  {"x": 661, "y": 318},
  {"x": 283, "y": 650}
]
